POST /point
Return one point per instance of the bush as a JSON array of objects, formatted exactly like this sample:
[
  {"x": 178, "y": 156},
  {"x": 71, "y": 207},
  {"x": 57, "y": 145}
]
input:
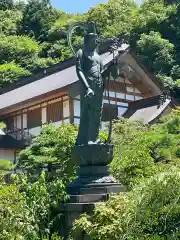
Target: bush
[
  {"x": 52, "y": 147},
  {"x": 18, "y": 49},
  {"x": 142, "y": 151},
  {"x": 156, "y": 52},
  {"x": 28, "y": 210},
  {"x": 36, "y": 64},
  {"x": 150, "y": 211},
  {"x": 10, "y": 72},
  {"x": 9, "y": 22}
]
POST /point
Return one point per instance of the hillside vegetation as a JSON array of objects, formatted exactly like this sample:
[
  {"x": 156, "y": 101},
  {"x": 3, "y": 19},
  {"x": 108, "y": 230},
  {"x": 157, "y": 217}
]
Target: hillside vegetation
[
  {"x": 146, "y": 161},
  {"x": 33, "y": 35}
]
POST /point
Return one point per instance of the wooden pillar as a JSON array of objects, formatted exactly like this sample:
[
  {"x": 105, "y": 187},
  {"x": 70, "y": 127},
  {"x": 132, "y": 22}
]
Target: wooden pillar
[
  {"x": 71, "y": 110},
  {"x": 22, "y": 128}
]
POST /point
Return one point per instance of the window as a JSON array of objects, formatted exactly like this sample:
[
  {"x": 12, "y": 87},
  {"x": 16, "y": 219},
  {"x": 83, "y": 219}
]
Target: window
[
  {"x": 34, "y": 118},
  {"x": 129, "y": 97},
  {"x": 120, "y": 95},
  {"x": 55, "y": 112},
  {"x": 77, "y": 120},
  {"x": 123, "y": 104},
  {"x": 76, "y": 108},
  {"x": 109, "y": 112}
]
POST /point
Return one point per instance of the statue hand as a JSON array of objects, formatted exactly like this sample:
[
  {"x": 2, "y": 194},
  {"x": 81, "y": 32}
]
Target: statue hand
[{"x": 89, "y": 93}]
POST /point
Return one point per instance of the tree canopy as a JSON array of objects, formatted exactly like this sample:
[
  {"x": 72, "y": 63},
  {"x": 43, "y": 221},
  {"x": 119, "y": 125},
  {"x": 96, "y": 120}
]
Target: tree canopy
[{"x": 33, "y": 34}]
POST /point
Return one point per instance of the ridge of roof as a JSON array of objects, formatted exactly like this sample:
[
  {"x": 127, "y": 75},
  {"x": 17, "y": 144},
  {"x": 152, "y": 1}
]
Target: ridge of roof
[{"x": 148, "y": 109}]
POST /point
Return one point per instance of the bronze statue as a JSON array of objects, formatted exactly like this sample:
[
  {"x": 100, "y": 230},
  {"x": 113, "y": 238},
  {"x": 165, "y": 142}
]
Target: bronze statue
[{"x": 89, "y": 67}]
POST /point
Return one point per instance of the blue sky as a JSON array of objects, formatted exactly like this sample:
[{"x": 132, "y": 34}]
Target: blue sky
[{"x": 78, "y": 5}]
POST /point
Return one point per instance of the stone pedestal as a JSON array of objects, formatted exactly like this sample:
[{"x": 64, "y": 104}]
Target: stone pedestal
[{"x": 93, "y": 184}]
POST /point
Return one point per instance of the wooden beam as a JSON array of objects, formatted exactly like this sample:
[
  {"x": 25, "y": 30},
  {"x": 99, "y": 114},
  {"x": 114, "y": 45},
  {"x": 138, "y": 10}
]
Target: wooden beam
[{"x": 71, "y": 110}]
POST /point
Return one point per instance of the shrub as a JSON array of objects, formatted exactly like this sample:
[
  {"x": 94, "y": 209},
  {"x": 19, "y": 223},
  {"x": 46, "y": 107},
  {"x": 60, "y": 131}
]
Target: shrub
[
  {"x": 53, "y": 146},
  {"x": 142, "y": 151},
  {"x": 150, "y": 211},
  {"x": 17, "y": 48},
  {"x": 9, "y": 22},
  {"x": 10, "y": 72}
]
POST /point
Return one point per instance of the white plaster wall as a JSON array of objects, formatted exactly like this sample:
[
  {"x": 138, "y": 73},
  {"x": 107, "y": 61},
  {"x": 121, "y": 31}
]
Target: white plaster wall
[
  {"x": 44, "y": 115},
  {"x": 25, "y": 120},
  {"x": 7, "y": 155},
  {"x": 103, "y": 125},
  {"x": 66, "y": 109},
  {"x": 57, "y": 124},
  {"x": 18, "y": 122},
  {"x": 35, "y": 131},
  {"x": 76, "y": 108},
  {"x": 67, "y": 120},
  {"x": 76, "y": 120}
]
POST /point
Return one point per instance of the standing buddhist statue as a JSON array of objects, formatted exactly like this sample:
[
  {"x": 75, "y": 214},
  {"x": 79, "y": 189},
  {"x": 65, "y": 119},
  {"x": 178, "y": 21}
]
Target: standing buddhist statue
[{"x": 89, "y": 67}]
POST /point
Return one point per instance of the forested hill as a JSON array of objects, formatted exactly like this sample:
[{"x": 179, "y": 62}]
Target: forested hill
[{"x": 33, "y": 35}]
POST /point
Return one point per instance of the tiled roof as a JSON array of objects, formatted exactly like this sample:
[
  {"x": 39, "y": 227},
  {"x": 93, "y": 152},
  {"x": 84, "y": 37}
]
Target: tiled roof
[{"x": 147, "y": 110}]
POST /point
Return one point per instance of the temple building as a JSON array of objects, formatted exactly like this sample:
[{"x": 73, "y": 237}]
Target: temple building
[{"x": 52, "y": 96}]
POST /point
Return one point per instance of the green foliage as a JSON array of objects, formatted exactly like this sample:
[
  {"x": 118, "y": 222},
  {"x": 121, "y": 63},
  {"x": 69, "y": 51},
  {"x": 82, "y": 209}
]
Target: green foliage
[
  {"x": 142, "y": 151},
  {"x": 156, "y": 52},
  {"x": 26, "y": 210},
  {"x": 150, "y": 211},
  {"x": 59, "y": 28},
  {"x": 2, "y": 125},
  {"x": 6, "y": 4},
  {"x": 9, "y": 22},
  {"x": 53, "y": 147},
  {"x": 152, "y": 30},
  {"x": 132, "y": 159},
  {"x": 147, "y": 162},
  {"x": 18, "y": 48},
  {"x": 5, "y": 166},
  {"x": 36, "y": 64},
  {"x": 10, "y": 72},
  {"x": 38, "y": 17}
]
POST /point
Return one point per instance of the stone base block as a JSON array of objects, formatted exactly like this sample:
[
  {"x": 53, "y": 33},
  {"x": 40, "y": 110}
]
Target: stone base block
[
  {"x": 96, "y": 188},
  {"x": 88, "y": 198}
]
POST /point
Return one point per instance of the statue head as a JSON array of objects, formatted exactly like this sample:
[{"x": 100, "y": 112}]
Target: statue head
[{"x": 91, "y": 38}]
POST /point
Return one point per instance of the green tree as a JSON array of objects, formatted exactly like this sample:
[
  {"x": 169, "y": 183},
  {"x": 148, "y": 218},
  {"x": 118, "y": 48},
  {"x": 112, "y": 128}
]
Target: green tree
[
  {"x": 108, "y": 16},
  {"x": 27, "y": 209},
  {"x": 38, "y": 17},
  {"x": 157, "y": 53},
  {"x": 9, "y": 22},
  {"x": 6, "y": 4},
  {"x": 11, "y": 72},
  {"x": 18, "y": 49},
  {"x": 52, "y": 147},
  {"x": 144, "y": 151}
]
